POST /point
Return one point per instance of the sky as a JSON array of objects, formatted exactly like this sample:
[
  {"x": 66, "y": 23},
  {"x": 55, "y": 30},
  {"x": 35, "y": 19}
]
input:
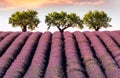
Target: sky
[{"x": 43, "y": 7}]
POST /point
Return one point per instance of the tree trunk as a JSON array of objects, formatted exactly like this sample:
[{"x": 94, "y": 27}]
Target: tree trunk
[
  {"x": 97, "y": 28},
  {"x": 61, "y": 30},
  {"x": 24, "y": 29}
]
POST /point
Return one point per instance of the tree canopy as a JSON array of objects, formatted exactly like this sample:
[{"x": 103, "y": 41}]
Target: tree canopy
[
  {"x": 96, "y": 20},
  {"x": 63, "y": 20},
  {"x": 25, "y": 19}
]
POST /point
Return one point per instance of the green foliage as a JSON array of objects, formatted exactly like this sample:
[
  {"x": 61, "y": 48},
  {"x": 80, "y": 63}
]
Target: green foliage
[
  {"x": 96, "y": 20},
  {"x": 63, "y": 20},
  {"x": 25, "y": 19}
]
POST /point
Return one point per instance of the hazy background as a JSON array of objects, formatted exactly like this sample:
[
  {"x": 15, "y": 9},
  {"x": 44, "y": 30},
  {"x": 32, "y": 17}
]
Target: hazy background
[{"x": 80, "y": 7}]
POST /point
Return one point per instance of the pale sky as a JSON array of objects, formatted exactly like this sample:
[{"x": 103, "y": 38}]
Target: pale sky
[{"x": 43, "y": 7}]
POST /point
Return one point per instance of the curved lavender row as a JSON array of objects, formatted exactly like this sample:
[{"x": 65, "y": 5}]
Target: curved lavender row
[
  {"x": 83, "y": 44},
  {"x": 108, "y": 63},
  {"x": 74, "y": 69},
  {"x": 12, "y": 52},
  {"x": 5, "y": 43},
  {"x": 55, "y": 67},
  {"x": 115, "y": 36},
  {"x": 3, "y": 35},
  {"x": 100, "y": 50},
  {"x": 114, "y": 49},
  {"x": 23, "y": 60},
  {"x": 38, "y": 65},
  {"x": 92, "y": 67}
]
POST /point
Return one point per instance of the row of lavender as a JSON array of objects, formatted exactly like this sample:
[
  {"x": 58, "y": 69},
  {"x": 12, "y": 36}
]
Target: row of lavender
[
  {"x": 23, "y": 52},
  {"x": 23, "y": 60},
  {"x": 37, "y": 55},
  {"x": 112, "y": 42},
  {"x": 92, "y": 66},
  {"x": 108, "y": 63},
  {"x": 38, "y": 65},
  {"x": 55, "y": 66},
  {"x": 12, "y": 51},
  {"x": 73, "y": 62},
  {"x": 5, "y": 41}
]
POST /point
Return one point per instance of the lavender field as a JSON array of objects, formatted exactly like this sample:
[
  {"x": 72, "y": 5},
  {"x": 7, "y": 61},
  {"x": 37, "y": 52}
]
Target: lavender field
[{"x": 60, "y": 55}]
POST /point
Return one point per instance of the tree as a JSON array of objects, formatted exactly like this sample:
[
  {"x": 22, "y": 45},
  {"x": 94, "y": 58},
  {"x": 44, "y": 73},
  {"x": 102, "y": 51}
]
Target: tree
[
  {"x": 96, "y": 20},
  {"x": 63, "y": 20},
  {"x": 25, "y": 19}
]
